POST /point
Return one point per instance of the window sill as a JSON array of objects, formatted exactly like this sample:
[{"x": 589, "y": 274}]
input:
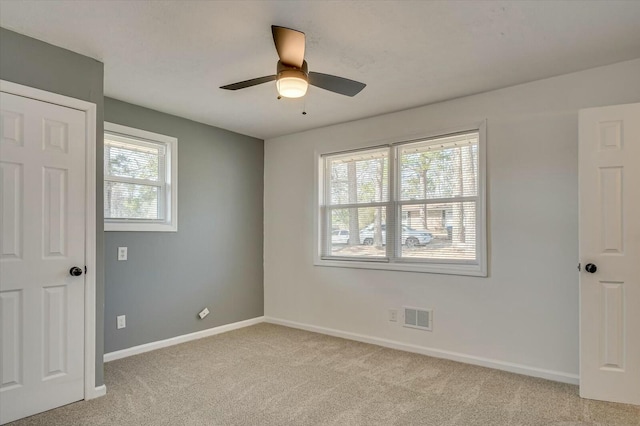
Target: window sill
[
  {"x": 431, "y": 268},
  {"x": 140, "y": 227}
]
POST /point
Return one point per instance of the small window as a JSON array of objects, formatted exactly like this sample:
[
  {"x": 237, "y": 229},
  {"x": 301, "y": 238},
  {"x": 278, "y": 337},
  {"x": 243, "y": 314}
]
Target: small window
[
  {"x": 140, "y": 180},
  {"x": 413, "y": 206}
]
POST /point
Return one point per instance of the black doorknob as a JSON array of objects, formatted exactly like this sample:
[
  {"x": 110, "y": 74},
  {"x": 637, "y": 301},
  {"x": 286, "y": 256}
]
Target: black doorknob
[
  {"x": 590, "y": 268},
  {"x": 75, "y": 271}
]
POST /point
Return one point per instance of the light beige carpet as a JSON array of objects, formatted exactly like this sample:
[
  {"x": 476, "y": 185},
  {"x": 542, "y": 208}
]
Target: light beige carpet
[{"x": 272, "y": 375}]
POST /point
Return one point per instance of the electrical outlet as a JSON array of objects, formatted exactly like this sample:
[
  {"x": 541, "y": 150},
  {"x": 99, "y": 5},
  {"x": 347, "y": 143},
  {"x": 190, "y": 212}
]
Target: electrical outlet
[
  {"x": 122, "y": 253},
  {"x": 203, "y": 313},
  {"x": 122, "y": 321},
  {"x": 393, "y": 315}
]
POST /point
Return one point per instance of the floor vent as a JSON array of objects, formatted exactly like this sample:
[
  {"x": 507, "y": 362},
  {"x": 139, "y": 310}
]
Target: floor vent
[{"x": 418, "y": 318}]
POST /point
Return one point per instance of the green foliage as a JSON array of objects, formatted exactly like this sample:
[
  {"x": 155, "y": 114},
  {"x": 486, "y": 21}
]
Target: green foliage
[
  {"x": 128, "y": 200},
  {"x": 427, "y": 174}
]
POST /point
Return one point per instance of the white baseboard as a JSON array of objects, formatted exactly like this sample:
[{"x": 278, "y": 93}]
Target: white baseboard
[
  {"x": 135, "y": 350},
  {"x": 556, "y": 376},
  {"x": 96, "y": 392}
]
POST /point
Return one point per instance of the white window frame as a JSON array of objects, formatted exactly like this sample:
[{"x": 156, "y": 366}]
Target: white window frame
[
  {"x": 475, "y": 268},
  {"x": 170, "y": 200}
]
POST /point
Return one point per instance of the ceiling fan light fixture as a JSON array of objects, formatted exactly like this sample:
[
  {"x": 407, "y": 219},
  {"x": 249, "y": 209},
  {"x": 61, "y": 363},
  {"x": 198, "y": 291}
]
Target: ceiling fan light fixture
[
  {"x": 292, "y": 72},
  {"x": 292, "y": 84}
]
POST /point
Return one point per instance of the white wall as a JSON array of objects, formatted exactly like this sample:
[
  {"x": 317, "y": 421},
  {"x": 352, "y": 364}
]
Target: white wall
[{"x": 526, "y": 311}]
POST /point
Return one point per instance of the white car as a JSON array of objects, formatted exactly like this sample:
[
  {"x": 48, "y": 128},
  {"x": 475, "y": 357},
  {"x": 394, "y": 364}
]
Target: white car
[
  {"x": 339, "y": 236},
  {"x": 410, "y": 237}
]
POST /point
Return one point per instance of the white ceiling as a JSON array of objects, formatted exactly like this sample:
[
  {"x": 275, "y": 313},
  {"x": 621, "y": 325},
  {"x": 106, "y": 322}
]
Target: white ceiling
[{"x": 173, "y": 55}]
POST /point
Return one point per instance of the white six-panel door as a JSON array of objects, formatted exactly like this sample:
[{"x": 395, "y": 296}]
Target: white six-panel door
[
  {"x": 42, "y": 224},
  {"x": 610, "y": 253}
]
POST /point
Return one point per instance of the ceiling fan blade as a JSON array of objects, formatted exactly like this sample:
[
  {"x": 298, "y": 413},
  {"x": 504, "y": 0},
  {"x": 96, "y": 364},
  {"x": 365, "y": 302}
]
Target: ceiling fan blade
[
  {"x": 289, "y": 44},
  {"x": 249, "y": 83},
  {"x": 336, "y": 84}
]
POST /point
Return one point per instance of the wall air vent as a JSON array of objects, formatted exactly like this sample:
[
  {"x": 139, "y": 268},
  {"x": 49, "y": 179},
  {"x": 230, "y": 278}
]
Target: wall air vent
[{"x": 418, "y": 318}]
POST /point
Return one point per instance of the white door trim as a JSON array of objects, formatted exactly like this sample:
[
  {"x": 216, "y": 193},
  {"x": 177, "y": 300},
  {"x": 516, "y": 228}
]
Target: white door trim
[{"x": 90, "y": 389}]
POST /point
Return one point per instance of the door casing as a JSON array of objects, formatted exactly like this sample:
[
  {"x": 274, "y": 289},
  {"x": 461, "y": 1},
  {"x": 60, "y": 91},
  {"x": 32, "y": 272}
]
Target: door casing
[{"x": 89, "y": 109}]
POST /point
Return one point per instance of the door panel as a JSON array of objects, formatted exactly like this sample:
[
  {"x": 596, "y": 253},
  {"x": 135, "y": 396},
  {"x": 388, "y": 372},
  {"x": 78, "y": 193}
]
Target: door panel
[
  {"x": 54, "y": 329},
  {"x": 11, "y": 309},
  {"x": 42, "y": 183},
  {"x": 11, "y": 178},
  {"x": 54, "y": 219},
  {"x": 612, "y": 326},
  {"x": 610, "y": 239},
  {"x": 611, "y": 201}
]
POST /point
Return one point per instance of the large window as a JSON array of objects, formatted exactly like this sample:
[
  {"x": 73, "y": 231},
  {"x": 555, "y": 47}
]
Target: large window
[
  {"x": 140, "y": 180},
  {"x": 415, "y": 206}
]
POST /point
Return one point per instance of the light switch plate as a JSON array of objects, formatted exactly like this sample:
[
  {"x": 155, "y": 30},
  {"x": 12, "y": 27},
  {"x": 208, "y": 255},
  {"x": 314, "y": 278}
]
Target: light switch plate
[
  {"x": 122, "y": 253},
  {"x": 122, "y": 321},
  {"x": 393, "y": 315}
]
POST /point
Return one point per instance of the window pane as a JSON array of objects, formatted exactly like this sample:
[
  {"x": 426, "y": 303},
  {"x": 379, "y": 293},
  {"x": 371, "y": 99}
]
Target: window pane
[
  {"x": 130, "y": 201},
  {"x": 357, "y": 232},
  {"x": 135, "y": 161},
  {"x": 441, "y": 168},
  {"x": 443, "y": 231},
  {"x": 361, "y": 177}
]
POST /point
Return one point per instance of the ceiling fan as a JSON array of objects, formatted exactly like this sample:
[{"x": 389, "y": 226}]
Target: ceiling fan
[{"x": 292, "y": 74}]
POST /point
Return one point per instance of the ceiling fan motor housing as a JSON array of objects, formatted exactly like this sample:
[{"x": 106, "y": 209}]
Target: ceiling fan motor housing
[{"x": 284, "y": 70}]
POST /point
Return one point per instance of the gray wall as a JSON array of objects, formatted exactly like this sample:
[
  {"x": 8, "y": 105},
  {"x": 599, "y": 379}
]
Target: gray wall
[
  {"x": 31, "y": 62},
  {"x": 215, "y": 258}
]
